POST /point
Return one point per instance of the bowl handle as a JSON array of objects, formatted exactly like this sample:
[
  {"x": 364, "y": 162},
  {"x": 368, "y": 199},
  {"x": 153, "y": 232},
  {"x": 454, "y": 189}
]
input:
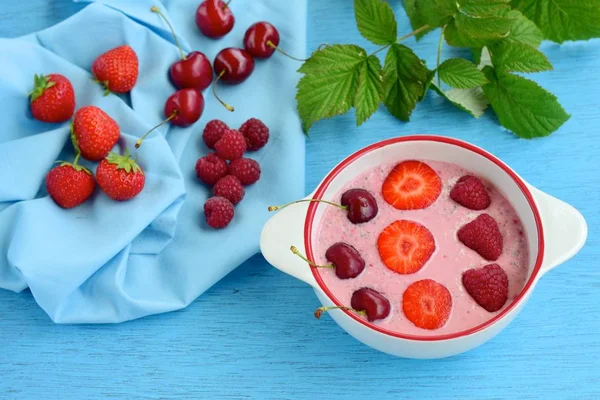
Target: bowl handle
[
  {"x": 565, "y": 229},
  {"x": 283, "y": 230}
]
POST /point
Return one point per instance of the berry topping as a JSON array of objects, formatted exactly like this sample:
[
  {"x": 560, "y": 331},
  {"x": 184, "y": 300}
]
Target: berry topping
[
  {"x": 231, "y": 146},
  {"x": 405, "y": 246},
  {"x": 256, "y": 134},
  {"x": 212, "y": 132},
  {"x": 488, "y": 286},
  {"x": 370, "y": 301},
  {"x": 346, "y": 259},
  {"x": 482, "y": 235},
  {"x": 231, "y": 188},
  {"x": 427, "y": 304},
  {"x": 470, "y": 192},
  {"x": 245, "y": 169},
  {"x": 211, "y": 168},
  {"x": 411, "y": 185},
  {"x": 361, "y": 205},
  {"x": 218, "y": 212}
]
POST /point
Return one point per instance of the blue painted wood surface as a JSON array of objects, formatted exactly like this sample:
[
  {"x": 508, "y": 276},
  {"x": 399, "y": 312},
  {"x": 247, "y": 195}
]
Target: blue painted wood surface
[{"x": 253, "y": 335}]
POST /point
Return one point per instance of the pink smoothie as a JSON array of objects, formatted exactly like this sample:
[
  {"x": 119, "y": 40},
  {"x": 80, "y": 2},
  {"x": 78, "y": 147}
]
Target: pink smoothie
[{"x": 450, "y": 259}]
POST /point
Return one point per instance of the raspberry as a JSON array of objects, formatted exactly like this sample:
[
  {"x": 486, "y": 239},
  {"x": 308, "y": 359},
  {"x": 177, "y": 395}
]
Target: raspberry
[
  {"x": 218, "y": 212},
  {"x": 245, "y": 169},
  {"x": 231, "y": 188},
  {"x": 482, "y": 235},
  {"x": 212, "y": 132},
  {"x": 488, "y": 286},
  {"x": 470, "y": 192},
  {"x": 211, "y": 168},
  {"x": 256, "y": 134},
  {"x": 231, "y": 146}
]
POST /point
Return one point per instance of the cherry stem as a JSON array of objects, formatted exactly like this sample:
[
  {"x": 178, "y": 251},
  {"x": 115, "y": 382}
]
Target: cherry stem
[
  {"x": 272, "y": 45},
  {"x": 155, "y": 9},
  {"x": 312, "y": 264},
  {"x": 275, "y": 208},
  {"x": 138, "y": 143},
  {"x": 319, "y": 311},
  {"x": 227, "y": 106}
]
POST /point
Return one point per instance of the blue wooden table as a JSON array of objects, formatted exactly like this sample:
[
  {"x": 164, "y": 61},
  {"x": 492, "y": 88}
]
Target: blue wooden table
[{"x": 253, "y": 335}]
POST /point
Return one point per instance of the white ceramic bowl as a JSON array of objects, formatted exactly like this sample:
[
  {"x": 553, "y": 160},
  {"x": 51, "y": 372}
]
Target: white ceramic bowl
[{"x": 555, "y": 232}]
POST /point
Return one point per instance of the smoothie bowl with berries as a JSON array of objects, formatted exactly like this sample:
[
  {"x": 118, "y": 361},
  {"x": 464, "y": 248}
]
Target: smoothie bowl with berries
[{"x": 422, "y": 246}]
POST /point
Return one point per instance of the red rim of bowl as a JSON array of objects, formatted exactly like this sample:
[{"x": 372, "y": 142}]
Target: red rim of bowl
[{"x": 329, "y": 178}]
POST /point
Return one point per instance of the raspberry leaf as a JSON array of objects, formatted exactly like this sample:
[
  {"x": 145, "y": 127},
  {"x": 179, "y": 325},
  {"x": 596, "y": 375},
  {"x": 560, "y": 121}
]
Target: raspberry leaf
[
  {"x": 370, "y": 89},
  {"x": 376, "y": 21},
  {"x": 562, "y": 20},
  {"x": 461, "y": 74},
  {"x": 474, "y": 30},
  {"x": 522, "y": 105},
  {"x": 434, "y": 13},
  {"x": 519, "y": 57},
  {"x": 405, "y": 79},
  {"x": 472, "y": 100},
  {"x": 524, "y": 31},
  {"x": 417, "y": 20}
]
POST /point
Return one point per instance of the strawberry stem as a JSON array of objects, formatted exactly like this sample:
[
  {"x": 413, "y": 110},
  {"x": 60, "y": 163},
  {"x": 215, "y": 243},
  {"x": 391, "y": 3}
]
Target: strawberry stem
[
  {"x": 77, "y": 157},
  {"x": 227, "y": 106},
  {"x": 275, "y": 208},
  {"x": 272, "y": 45},
  {"x": 321, "y": 310},
  {"x": 296, "y": 252},
  {"x": 155, "y": 9},
  {"x": 138, "y": 143}
]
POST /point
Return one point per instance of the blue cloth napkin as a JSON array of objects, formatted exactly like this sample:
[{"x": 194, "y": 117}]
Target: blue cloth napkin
[{"x": 106, "y": 261}]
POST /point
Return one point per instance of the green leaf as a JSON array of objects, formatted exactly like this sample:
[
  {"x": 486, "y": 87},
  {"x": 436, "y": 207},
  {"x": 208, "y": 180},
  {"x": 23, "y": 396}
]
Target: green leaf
[
  {"x": 376, "y": 22},
  {"x": 475, "y": 31},
  {"x": 40, "y": 84},
  {"x": 484, "y": 8},
  {"x": 370, "y": 89},
  {"x": 522, "y": 105},
  {"x": 124, "y": 162},
  {"x": 330, "y": 83},
  {"x": 405, "y": 79},
  {"x": 435, "y": 12},
  {"x": 519, "y": 57},
  {"x": 416, "y": 18},
  {"x": 461, "y": 74},
  {"x": 562, "y": 20},
  {"x": 524, "y": 31},
  {"x": 472, "y": 101}
]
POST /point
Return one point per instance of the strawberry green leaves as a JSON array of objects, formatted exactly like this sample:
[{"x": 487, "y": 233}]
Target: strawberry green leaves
[
  {"x": 40, "y": 84},
  {"x": 461, "y": 74},
  {"x": 522, "y": 105},
  {"x": 375, "y": 21}
]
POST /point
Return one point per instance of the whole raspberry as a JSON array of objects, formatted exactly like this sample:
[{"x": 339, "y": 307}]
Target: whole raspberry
[
  {"x": 231, "y": 146},
  {"x": 231, "y": 188},
  {"x": 212, "y": 132},
  {"x": 211, "y": 168},
  {"x": 256, "y": 134},
  {"x": 218, "y": 212},
  {"x": 482, "y": 235},
  {"x": 245, "y": 169},
  {"x": 488, "y": 286},
  {"x": 470, "y": 192}
]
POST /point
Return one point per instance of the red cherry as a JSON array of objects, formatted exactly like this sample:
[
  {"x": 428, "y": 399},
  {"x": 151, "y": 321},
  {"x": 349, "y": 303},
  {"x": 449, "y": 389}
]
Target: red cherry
[
  {"x": 214, "y": 18},
  {"x": 261, "y": 40},
  {"x": 184, "y": 107},
  {"x": 232, "y": 66}
]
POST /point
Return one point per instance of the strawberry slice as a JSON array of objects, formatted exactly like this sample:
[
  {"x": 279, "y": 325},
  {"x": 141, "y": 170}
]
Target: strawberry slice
[
  {"x": 405, "y": 246},
  {"x": 412, "y": 185},
  {"x": 427, "y": 304}
]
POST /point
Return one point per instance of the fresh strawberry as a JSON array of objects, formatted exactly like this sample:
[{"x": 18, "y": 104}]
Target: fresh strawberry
[
  {"x": 470, "y": 192},
  {"x": 411, "y": 185},
  {"x": 405, "y": 246},
  {"x": 488, "y": 286},
  {"x": 52, "y": 98},
  {"x": 70, "y": 185},
  {"x": 120, "y": 177},
  {"x": 94, "y": 133},
  {"x": 427, "y": 304},
  {"x": 116, "y": 70},
  {"x": 482, "y": 235}
]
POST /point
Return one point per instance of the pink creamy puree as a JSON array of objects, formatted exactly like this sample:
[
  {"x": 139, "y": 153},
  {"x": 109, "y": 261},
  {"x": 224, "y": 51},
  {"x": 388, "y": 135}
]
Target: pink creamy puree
[{"x": 450, "y": 259}]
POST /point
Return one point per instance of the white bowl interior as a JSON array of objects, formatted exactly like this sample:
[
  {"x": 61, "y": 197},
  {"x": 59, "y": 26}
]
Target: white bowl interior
[{"x": 439, "y": 151}]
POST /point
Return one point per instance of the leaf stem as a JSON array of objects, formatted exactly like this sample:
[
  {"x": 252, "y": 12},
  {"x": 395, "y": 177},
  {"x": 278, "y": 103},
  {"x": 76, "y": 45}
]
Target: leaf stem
[
  {"x": 439, "y": 54},
  {"x": 401, "y": 38}
]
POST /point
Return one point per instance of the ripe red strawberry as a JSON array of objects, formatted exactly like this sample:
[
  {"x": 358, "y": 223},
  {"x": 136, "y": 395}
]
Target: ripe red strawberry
[
  {"x": 411, "y": 185},
  {"x": 482, "y": 235},
  {"x": 470, "y": 192},
  {"x": 120, "y": 177},
  {"x": 116, "y": 70},
  {"x": 94, "y": 133},
  {"x": 52, "y": 98},
  {"x": 488, "y": 286},
  {"x": 70, "y": 185},
  {"x": 427, "y": 304},
  {"x": 405, "y": 246}
]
